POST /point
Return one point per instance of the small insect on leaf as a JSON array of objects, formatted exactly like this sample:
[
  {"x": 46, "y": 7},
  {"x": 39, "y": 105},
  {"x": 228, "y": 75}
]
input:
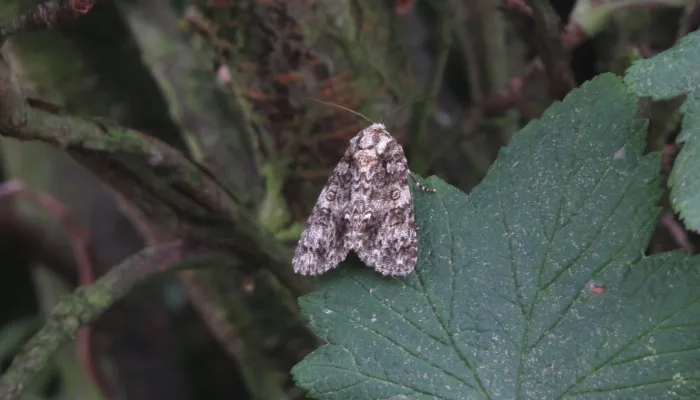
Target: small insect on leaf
[{"x": 366, "y": 206}]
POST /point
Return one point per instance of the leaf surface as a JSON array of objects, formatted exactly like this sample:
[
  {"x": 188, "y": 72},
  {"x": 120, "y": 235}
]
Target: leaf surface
[
  {"x": 533, "y": 287},
  {"x": 672, "y": 73}
]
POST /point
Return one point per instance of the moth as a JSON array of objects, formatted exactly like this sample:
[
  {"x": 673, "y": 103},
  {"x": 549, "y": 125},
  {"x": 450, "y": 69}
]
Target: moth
[{"x": 366, "y": 206}]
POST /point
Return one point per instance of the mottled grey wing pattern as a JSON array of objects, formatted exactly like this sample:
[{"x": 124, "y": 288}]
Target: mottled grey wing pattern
[
  {"x": 385, "y": 235},
  {"x": 366, "y": 207},
  {"x": 323, "y": 243}
]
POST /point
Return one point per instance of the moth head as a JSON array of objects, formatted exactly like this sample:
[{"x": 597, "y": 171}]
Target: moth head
[
  {"x": 374, "y": 137},
  {"x": 377, "y": 128}
]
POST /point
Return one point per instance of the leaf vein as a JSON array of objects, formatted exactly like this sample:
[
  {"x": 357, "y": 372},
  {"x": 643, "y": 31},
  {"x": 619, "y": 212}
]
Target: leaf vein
[
  {"x": 608, "y": 361},
  {"x": 442, "y": 341},
  {"x": 399, "y": 346},
  {"x": 384, "y": 380}
]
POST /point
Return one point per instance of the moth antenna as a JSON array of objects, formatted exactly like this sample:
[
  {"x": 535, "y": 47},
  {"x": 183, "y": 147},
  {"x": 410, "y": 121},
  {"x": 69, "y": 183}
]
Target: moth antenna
[
  {"x": 410, "y": 103},
  {"x": 344, "y": 108},
  {"x": 393, "y": 111}
]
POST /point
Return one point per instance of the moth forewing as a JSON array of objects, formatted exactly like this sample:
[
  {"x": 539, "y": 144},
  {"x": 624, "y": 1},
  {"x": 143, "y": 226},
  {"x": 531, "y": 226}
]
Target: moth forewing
[{"x": 366, "y": 206}]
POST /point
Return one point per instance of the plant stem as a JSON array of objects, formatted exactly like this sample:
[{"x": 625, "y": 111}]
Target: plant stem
[{"x": 87, "y": 303}]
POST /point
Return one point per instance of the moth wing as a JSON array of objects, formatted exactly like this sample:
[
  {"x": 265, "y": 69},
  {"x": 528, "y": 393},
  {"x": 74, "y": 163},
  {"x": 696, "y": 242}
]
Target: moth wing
[
  {"x": 389, "y": 242},
  {"x": 323, "y": 243}
]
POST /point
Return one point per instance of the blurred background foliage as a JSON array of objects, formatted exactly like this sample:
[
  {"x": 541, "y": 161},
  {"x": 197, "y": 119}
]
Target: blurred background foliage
[{"x": 453, "y": 80}]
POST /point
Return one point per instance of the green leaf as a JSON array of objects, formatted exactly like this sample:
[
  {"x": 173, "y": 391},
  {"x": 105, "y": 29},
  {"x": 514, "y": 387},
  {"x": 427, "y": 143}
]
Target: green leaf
[
  {"x": 669, "y": 74},
  {"x": 504, "y": 303},
  {"x": 592, "y": 16},
  {"x": 684, "y": 179}
]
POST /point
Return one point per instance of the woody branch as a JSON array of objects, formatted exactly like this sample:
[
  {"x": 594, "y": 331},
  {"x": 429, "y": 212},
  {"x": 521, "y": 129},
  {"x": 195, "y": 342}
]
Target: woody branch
[
  {"x": 88, "y": 303},
  {"x": 45, "y": 15}
]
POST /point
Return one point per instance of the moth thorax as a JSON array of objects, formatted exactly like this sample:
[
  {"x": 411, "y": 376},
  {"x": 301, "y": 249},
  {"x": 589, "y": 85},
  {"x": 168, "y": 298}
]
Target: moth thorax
[{"x": 366, "y": 160}]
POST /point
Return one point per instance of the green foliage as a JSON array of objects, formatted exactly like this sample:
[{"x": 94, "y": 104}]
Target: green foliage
[
  {"x": 504, "y": 302},
  {"x": 669, "y": 74}
]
